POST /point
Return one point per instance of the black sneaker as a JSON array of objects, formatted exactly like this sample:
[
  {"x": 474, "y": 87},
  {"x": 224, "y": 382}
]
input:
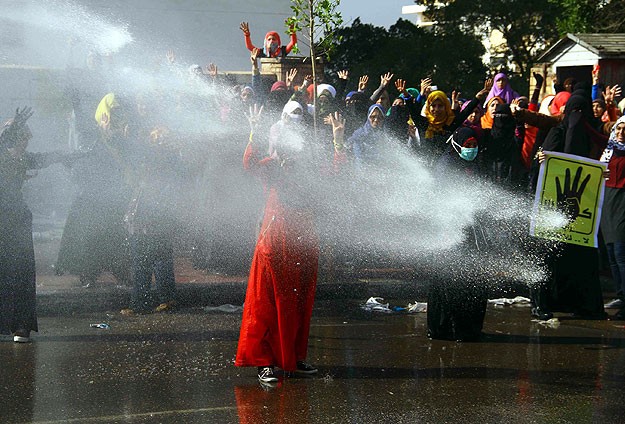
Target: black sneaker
[
  {"x": 305, "y": 368},
  {"x": 266, "y": 375}
]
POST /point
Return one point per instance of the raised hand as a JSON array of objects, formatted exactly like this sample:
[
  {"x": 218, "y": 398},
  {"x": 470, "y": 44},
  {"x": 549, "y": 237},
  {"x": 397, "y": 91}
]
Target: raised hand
[
  {"x": 385, "y": 79},
  {"x": 595, "y": 75},
  {"x": 362, "y": 82},
  {"x": 245, "y": 28},
  {"x": 211, "y": 70},
  {"x": 338, "y": 126},
  {"x": 254, "y": 115},
  {"x": 488, "y": 84},
  {"x": 254, "y": 55},
  {"x": 538, "y": 79},
  {"x": 400, "y": 85},
  {"x": 515, "y": 105},
  {"x": 426, "y": 83},
  {"x": 611, "y": 93},
  {"x": 21, "y": 116},
  {"x": 291, "y": 25},
  {"x": 290, "y": 76},
  {"x": 19, "y": 120},
  {"x": 171, "y": 56},
  {"x": 455, "y": 99},
  {"x": 343, "y": 74}
]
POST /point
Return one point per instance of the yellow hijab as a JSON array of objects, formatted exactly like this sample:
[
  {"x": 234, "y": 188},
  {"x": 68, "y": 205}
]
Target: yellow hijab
[
  {"x": 103, "y": 111},
  {"x": 437, "y": 124}
]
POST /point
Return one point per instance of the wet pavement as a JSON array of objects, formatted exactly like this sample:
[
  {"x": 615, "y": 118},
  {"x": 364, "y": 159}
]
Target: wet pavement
[{"x": 373, "y": 368}]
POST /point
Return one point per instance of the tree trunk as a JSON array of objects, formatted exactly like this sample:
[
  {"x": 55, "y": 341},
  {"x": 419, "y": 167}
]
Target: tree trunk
[{"x": 311, "y": 33}]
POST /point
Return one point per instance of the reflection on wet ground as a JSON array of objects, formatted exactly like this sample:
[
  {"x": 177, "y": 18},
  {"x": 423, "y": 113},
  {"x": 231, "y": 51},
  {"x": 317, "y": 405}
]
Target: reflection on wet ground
[{"x": 373, "y": 368}]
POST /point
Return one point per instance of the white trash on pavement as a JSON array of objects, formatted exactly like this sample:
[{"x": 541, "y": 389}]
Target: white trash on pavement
[
  {"x": 375, "y": 304},
  {"x": 550, "y": 323},
  {"x": 417, "y": 307},
  {"x": 504, "y": 301}
]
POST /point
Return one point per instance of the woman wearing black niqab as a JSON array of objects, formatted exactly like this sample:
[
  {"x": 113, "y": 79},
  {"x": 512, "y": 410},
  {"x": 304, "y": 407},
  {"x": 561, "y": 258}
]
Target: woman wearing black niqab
[{"x": 573, "y": 285}]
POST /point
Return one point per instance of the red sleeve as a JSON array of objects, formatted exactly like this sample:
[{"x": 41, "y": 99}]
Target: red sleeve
[
  {"x": 292, "y": 43},
  {"x": 248, "y": 42},
  {"x": 612, "y": 113},
  {"x": 528, "y": 146},
  {"x": 251, "y": 157},
  {"x": 533, "y": 107},
  {"x": 254, "y": 162}
]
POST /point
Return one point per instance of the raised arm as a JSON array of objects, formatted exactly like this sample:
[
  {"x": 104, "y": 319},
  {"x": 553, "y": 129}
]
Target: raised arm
[
  {"x": 609, "y": 95},
  {"x": 384, "y": 80},
  {"x": 538, "y": 78},
  {"x": 292, "y": 41},
  {"x": 479, "y": 97},
  {"x": 246, "y": 32}
]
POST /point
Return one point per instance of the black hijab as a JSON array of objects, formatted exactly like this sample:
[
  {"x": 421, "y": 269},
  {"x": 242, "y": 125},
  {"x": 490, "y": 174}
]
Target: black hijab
[{"x": 576, "y": 134}]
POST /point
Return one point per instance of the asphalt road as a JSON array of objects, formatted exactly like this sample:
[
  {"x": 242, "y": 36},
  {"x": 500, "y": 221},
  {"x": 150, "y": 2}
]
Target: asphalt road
[{"x": 373, "y": 368}]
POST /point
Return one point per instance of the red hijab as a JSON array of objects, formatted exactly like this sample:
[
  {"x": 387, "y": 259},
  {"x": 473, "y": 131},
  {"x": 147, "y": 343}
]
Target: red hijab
[{"x": 558, "y": 101}]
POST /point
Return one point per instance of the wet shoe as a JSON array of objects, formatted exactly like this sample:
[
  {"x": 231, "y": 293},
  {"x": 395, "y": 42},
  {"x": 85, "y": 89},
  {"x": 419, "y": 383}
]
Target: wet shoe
[
  {"x": 541, "y": 314},
  {"x": 305, "y": 368},
  {"x": 166, "y": 306},
  {"x": 614, "y": 304},
  {"x": 266, "y": 375},
  {"x": 21, "y": 336}
]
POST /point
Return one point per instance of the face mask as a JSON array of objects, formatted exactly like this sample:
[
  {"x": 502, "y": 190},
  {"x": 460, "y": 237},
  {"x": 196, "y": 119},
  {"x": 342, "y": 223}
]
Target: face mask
[
  {"x": 295, "y": 117},
  {"x": 272, "y": 47},
  {"x": 466, "y": 153}
]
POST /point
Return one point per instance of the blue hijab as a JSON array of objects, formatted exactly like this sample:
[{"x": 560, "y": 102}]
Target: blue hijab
[
  {"x": 366, "y": 140},
  {"x": 367, "y": 128}
]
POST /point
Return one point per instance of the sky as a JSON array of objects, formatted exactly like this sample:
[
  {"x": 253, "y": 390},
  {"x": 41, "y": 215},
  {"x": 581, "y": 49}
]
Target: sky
[{"x": 378, "y": 12}]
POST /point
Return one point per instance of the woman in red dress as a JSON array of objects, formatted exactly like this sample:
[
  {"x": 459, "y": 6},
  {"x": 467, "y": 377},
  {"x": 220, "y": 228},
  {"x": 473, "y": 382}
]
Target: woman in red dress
[{"x": 283, "y": 275}]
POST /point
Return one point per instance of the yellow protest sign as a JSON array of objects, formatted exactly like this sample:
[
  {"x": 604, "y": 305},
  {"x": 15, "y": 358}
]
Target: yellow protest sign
[{"x": 573, "y": 186}]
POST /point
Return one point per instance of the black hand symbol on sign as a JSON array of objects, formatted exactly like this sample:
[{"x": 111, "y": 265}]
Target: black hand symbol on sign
[{"x": 569, "y": 197}]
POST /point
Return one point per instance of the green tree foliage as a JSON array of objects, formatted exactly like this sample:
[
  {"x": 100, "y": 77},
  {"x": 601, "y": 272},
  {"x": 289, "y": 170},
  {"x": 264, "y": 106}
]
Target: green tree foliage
[
  {"x": 576, "y": 16},
  {"x": 320, "y": 20},
  {"x": 451, "y": 59},
  {"x": 317, "y": 20},
  {"x": 590, "y": 16},
  {"x": 527, "y": 25}
]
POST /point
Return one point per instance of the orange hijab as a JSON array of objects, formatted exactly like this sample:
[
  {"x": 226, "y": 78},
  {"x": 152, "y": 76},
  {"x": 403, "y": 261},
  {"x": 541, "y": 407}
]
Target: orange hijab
[
  {"x": 487, "y": 118},
  {"x": 437, "y": 124}
]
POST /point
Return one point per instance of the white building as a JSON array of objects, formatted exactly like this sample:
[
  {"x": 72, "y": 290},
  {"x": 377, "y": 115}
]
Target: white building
[{"x": 576, "y": 54}]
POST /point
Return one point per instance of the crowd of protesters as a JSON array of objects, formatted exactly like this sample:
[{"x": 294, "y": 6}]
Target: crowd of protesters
[{"x": 130, "y": 165}]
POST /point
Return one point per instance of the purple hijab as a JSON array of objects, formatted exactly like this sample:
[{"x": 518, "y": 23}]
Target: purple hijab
[{"x": 506, "y": 93}]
